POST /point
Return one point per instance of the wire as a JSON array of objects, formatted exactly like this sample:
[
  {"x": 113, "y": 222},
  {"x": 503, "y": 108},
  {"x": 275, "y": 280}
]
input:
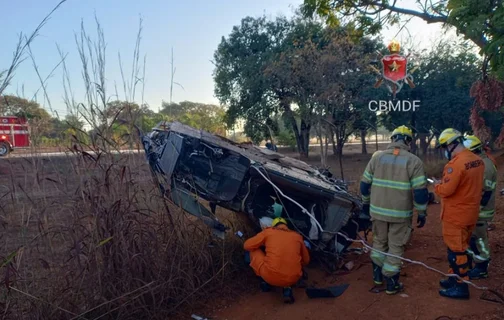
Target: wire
[{"x": 362, "y": 242}]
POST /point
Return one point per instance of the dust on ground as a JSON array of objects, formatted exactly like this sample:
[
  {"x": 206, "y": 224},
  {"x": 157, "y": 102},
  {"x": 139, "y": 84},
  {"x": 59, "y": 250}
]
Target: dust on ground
[
  {"x": 240, "y": 298},
  {"x": 419, "y": 300}
]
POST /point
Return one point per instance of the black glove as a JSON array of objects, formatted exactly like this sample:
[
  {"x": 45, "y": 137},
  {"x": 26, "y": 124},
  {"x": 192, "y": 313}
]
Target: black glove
[
  {"x": 365, "y": 209},
  {"x": 364, "y": 218},
  {"x": 422, "y": 218}
]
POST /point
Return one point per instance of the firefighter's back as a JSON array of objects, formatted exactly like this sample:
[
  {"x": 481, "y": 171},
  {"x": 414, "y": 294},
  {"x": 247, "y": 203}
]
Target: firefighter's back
[
  {"x": 462, "y": 207},
  {"x": 396, "y": 173}
]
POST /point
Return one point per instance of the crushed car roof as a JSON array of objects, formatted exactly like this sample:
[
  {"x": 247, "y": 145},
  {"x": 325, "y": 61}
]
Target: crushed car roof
[{"x": 269, "y": 159}]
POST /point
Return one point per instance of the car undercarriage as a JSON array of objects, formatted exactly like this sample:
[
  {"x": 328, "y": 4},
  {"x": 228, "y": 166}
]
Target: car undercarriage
[{"x": 192, "y": 165}]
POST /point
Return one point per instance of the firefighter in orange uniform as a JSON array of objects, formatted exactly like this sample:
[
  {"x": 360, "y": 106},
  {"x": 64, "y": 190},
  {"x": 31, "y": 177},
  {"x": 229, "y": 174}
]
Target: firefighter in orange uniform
[
  {"x": 460, "y": 192},
  {"x": 281, "y": 263}
]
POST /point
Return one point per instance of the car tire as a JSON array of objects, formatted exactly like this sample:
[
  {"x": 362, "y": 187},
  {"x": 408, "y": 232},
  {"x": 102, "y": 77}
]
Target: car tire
[{"x": 4, "y": 149}]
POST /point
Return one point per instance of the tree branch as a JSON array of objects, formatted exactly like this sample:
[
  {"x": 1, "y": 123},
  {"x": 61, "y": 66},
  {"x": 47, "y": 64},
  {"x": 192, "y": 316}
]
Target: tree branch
[{"x": 429, "y": 18}]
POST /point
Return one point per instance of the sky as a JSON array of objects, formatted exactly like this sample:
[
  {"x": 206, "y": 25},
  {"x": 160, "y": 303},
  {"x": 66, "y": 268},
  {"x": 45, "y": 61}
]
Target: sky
[{"x": 193, "y": 28}]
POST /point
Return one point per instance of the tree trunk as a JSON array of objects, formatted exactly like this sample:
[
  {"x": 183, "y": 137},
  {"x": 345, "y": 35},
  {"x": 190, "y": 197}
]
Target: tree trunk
[
  {"x": 376, "y": 138},
  {"x": 326, "y": 145},
  {"x": 305, "y": 139},
  {"x": 363, "y": 133},
  {"x": 331, "y": 138},
  {"x": 413, "y": 143},
  {"x": 290, "y": 118},
  {"x": 323, "y": 156},
  {"x": 339, "y": 151},
  {"x": 423, "y": 143}
]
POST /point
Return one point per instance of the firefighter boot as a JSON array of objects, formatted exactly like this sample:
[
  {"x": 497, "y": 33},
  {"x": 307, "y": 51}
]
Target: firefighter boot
[
  {"x": 393, "y": 284},
  {"x": 480, "y": 271},
  {"x": 377, "y": 275},
  {"x": 459, "y": 291},
  {"x": 448, "y": 283},
  {"x": 288, "y": 295}
]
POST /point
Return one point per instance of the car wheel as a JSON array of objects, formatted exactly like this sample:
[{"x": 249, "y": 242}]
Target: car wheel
[{"x": 4, "y": 149}]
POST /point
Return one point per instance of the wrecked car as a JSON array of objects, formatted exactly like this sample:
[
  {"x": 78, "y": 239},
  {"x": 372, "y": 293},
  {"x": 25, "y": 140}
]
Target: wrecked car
[{"x": 191, "y": 164}]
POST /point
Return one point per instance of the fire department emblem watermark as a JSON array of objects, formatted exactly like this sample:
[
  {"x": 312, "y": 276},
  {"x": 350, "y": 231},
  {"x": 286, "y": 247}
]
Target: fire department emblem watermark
[{"x": 394, "y": 74}]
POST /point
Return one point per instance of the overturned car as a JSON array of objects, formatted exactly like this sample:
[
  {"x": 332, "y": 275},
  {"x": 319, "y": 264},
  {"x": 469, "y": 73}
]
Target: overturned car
[{"x": 191, "y": 164}]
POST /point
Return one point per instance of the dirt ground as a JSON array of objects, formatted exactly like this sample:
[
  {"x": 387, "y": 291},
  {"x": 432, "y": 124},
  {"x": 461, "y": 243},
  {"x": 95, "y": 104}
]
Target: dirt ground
[
  {"x": 241, "y": 297},
  {"x": 419, "y": 300}
]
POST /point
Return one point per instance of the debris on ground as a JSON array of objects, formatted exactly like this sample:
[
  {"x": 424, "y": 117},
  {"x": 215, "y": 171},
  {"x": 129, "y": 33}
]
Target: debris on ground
[{"x": 329, "y": 292}]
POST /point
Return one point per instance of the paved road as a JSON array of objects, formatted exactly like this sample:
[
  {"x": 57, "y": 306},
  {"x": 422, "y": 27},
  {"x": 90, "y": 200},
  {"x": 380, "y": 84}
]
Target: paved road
[{"x": 25, "y": 154}]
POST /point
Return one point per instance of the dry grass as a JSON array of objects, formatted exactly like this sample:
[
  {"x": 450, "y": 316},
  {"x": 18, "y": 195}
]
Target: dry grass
[{"x": 91, "y": 239}]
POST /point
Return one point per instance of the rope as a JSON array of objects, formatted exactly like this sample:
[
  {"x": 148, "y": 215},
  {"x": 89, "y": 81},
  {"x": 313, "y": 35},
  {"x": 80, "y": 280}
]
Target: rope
[{"x": 362, "y": 242}]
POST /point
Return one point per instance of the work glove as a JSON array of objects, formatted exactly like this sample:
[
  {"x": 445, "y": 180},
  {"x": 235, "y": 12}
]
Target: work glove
[
  {"x": 307, "y": 244},
  {"x": 421, "y": 219},
  {"x": 364, "y": 218},
  {"x": 365, "y": 209}
]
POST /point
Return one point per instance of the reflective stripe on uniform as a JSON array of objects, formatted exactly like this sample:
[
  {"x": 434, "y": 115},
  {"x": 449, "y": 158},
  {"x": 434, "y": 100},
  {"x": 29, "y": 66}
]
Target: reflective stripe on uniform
[
  {"x": 490, "y": 184},
  {"x": 390, "y": 212},
  {"x": 366, "y": 199},
  {"x": 391, "y": 184},
  {"x": 421, "y": 207},
  {"x": 390, "y": 268},
  {"x": 418, "y": 181},
  {"x": 377, "y": 257},
  {"x": 486, "y": 213},
  {"x": 483, "y": 256},
  {"x": 368, "y": 176},
  {"x": 482, "y": 246}
]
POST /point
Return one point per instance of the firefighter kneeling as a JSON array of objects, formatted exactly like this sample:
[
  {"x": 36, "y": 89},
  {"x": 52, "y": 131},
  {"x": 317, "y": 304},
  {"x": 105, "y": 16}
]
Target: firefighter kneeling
[
  {"x": 479, "y": 248},
  {"x": 393, "y": 183},
  {"x": 281, "y": 263},
  {"x": 460, "y": 192}
]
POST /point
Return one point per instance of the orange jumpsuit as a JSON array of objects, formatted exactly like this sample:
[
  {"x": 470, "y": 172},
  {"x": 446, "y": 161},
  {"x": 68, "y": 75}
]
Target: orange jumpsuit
[
  {"x": 286, "y": 253},
  {"x": 461, "y": 192}
]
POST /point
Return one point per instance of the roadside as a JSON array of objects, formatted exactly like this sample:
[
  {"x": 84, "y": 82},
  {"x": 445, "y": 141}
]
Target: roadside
[{"x": 420, "y": 299}]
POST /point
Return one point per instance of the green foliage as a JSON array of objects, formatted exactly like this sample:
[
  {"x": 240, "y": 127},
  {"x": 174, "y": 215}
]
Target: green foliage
[
  {"x": 286, "y": 138},
  {"x": 481, "y": 21},
  {"x": 240, "y": 82},
  {"x": 202, "y": 116},
  {"x": 264, "y": 67},
  {"x": 17, "y": 106},
  {"x": 120, "y": 115},
  {"x": 442, "y": 84}
]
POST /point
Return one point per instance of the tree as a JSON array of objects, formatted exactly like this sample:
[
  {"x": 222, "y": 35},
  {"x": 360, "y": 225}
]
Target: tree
[
  {"x": 482, "y": 22},
  {"x": 39, "y": 119},
  {"x": 201, "y": 116},
  {"x": 442, "y": 82},
  {"x": 241, "y": 80},
  {"x": 266, "y": 68}
]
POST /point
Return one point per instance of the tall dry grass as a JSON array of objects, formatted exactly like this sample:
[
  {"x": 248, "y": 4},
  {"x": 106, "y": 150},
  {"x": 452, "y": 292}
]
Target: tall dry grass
[{"x": 89, "y": 237}]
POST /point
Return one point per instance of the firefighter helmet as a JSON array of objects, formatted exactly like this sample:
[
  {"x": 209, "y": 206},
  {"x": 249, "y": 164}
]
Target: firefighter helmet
[
  {"x": 448, "y": 136},
  {"x": 472, "y": 143},
  {"x": 402, "y": 133},
  {"x": 277, "y": 221}
]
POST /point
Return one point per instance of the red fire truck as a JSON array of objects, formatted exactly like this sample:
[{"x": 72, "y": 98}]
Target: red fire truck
[{"x": 14, "y": 134}]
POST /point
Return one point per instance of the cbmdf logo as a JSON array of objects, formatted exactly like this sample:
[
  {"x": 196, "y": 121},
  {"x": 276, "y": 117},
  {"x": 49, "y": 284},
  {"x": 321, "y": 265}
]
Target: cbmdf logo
[{"x": 394, "y": 71}]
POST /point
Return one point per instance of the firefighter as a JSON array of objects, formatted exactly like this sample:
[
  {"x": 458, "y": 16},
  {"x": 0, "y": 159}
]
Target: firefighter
[
  {"x": 392, "y": 185},
  {"x": 478, "y": 245},
  {"x": 460, "y": 192},
  {"x": 281, "y": 263}
]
